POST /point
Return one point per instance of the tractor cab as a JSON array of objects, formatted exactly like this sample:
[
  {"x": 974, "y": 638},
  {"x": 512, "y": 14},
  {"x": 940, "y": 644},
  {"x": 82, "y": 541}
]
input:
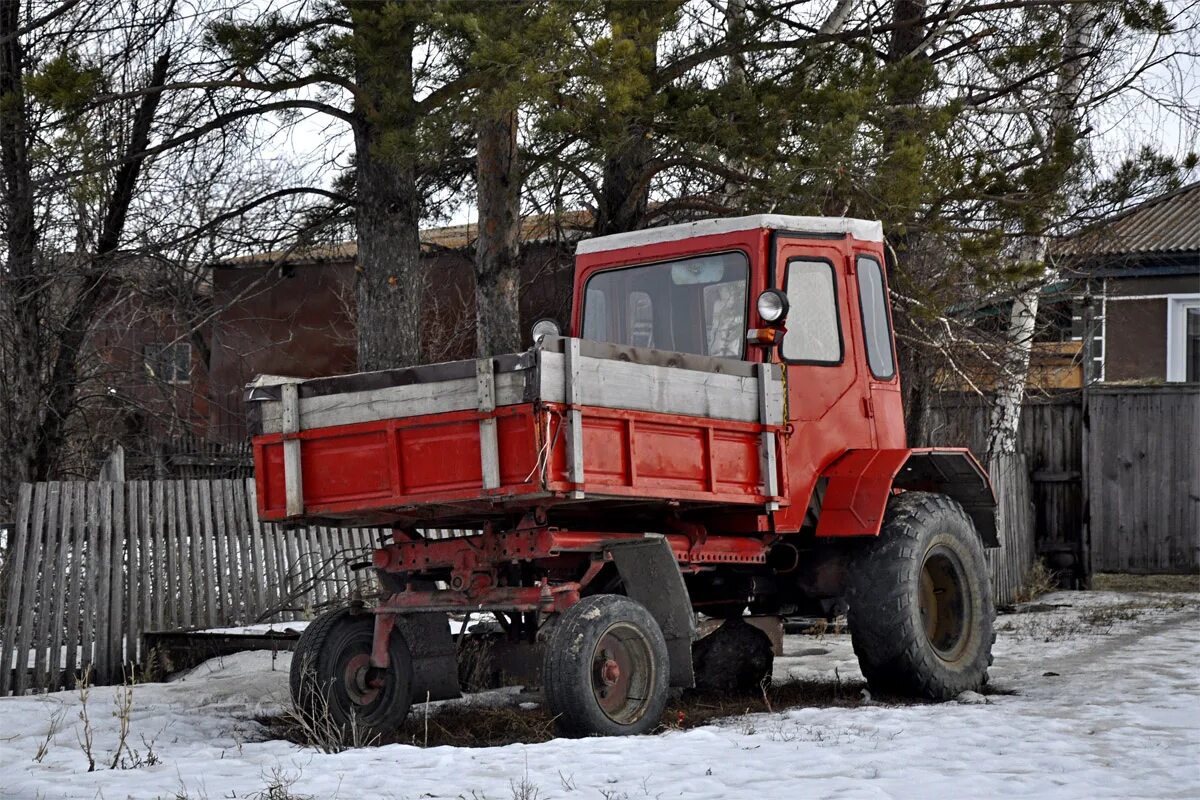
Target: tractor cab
[{"x": 807, "y": 293}]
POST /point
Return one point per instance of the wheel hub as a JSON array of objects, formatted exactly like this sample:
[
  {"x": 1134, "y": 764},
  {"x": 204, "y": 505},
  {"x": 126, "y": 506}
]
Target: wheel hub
[
  {"x": 943, "y": 604},
  {"x": 621, "y": 674},
  {"x": 361, "y": 685}
]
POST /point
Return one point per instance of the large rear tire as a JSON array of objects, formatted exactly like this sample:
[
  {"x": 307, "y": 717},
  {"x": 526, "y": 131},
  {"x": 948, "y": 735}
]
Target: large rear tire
[
  {"x": 606, "y": 668},
  {"x": 333, "y": 684},
  {"x": 921, "y": 612}
]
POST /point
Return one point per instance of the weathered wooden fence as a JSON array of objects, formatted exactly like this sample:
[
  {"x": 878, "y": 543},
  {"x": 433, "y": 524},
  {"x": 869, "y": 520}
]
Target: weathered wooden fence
[
  {"x": 91, "y": 566},
  {"x": 1143, "y": 479},
  {"x": 1114, "y": 475},
  {"x": 1010, "y": 564}
]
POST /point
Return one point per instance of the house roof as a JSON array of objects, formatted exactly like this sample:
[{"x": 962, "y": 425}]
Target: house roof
[
  {"x": 536, "y": 228},
  {"x": 1168, "y": 224}
]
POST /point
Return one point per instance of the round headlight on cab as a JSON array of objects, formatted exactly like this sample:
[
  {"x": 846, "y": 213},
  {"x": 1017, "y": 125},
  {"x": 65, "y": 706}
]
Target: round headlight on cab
[
  {"x": 545, "y": 327},
  {"x": 772, "y": 306}
]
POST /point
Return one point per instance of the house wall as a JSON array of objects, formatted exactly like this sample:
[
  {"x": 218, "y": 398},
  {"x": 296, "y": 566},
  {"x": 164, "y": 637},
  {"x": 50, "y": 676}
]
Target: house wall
[
  {"x": 1135, "y": 343},
  {"x": 1135, "y": 330},
  {"x": 144, "y": 405},
  {"x": 289, "y": 321}
]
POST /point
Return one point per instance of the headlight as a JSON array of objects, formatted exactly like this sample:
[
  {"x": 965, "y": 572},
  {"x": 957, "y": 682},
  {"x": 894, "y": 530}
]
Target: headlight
[
  {"x": 545, "y": 327},
  {"x": 772, "y": 306}
]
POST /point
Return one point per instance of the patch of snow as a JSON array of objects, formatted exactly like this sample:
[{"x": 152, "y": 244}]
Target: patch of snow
[{"x": 1122, "y": 720}]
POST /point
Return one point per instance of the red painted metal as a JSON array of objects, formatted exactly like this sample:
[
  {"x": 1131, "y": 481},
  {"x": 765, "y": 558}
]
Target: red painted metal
[
  {"x": 393, "y": 463},
  {"x": 841, "y": 423}
]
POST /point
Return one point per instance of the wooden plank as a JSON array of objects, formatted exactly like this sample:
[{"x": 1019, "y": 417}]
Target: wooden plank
[
  {"x": 146, "y": 561},
  {"x": 172, "y": 536},
  {"x": 58, "y": 622},
  {"x": 34, "y": 558},
  {"x": 320, "y": 567},
  {"x": 180, "y": 585},
  {"x": 161, "y": 590},
  {"x": 276, "y": 557},
  {"x": 315, "y": 566},
  {"x": 39, "y": 600},
  {"x": 271, "y": 554},
  {"x": 203, "y": 567},
  {"x": 15, "y": 553},
  {"x": 103, "y": 570},
  {"x": 74, "y": 636},
  {"x": 91, "y": 577},
  {"x": 133, "y": 570},
  {"x": 255, "y": 573},
  {"x": 210, "y": 513},
  {"x": 244, "y": 579},
  {"x": 116, "y": 594}
]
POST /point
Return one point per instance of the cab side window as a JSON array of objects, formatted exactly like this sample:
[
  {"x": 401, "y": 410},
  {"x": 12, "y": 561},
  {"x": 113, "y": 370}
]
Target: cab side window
[
  {"x": 877, "y": 329},
  {"x": 814, "y": 334}
]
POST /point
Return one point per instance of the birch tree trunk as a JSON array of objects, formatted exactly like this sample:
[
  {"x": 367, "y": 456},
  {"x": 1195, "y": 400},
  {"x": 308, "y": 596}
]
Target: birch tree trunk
[{"x": 1064, "y": 115}]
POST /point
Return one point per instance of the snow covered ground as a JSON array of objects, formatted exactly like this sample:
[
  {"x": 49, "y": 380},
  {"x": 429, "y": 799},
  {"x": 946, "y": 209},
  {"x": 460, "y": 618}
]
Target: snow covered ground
[{"x": 1105, "y": 703}]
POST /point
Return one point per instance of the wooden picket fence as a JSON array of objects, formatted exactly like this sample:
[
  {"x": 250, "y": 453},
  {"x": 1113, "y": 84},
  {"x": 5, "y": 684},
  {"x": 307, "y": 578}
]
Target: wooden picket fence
[
  {"x": 90, "y": 566},
  {"x": 1010, "y": 564}
]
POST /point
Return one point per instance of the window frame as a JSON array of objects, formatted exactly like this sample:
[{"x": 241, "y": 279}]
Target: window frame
[
  {"x": 887, "y": 316},
  {"x": 837, "y": 312},
  {"x": 158, "y": 348},
  {"x": 1177, "y": 308},
  {"x": 746, "y": 309}
]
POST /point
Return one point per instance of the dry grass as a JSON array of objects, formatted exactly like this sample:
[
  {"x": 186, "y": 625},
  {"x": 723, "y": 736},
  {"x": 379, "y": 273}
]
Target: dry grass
[
  {"x": 1111, "y": 582},
  {"x": 1040, "y": 580},
  {"x": 469, "y": 725}
]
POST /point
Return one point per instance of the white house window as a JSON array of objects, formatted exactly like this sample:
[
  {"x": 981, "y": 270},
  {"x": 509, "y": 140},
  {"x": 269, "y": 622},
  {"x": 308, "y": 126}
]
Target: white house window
[
  {"x": 169, "y": 363},
  {"x": 1183, "y": 337}
]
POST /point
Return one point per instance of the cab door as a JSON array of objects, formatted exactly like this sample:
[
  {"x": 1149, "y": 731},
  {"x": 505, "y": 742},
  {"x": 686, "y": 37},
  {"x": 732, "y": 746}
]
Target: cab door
[{"x": 828, "y": 397}]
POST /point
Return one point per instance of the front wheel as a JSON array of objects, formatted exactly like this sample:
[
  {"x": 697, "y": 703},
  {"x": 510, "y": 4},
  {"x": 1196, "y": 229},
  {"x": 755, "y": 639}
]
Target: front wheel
[
  {"x": 606, "y": 668},
  {"x": 920, "y": 598},
  {"x": 335, "y": 688}
]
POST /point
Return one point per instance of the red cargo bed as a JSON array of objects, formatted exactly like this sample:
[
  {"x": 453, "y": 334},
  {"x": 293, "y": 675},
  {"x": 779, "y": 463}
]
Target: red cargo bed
[{"x": 569, "y": 421}]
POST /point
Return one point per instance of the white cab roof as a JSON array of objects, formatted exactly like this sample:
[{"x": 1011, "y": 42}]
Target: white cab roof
[{"x": 864, "y": 229}]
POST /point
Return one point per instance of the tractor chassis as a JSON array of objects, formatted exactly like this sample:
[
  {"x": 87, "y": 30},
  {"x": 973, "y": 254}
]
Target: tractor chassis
[{"x": 567, "y": 562}]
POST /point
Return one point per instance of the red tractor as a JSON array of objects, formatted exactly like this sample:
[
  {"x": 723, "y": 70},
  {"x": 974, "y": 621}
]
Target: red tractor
[{"x": 721, "y": 430}]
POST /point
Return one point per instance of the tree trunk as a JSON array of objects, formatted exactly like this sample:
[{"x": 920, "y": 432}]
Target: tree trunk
[
  {"x": 497, "y": 269},
  {"x": 20, "y": 298},
  {"x": 390, "y": 279},
  {"x": 625, "y": 188},
  {"x": 1004, "y": 425}
]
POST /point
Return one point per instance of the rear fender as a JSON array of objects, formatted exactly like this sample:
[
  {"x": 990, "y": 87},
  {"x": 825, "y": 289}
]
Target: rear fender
[{"x": 860, "y": 482}]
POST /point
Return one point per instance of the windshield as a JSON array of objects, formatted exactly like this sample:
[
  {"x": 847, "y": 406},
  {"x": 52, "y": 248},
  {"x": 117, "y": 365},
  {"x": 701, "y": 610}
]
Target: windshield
[{"x": 694, "y": 305}]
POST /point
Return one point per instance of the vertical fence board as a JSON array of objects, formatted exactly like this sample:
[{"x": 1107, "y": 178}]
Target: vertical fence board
[
  {"x": 102, "y": 567},
  {"x": 55, "y": 661},
  {"x": 75, "y": 637},
  {"x": 33, "y": 560},
  {"x": 89, "y": 627},
  {"x": 239, "y": 554},
  {"x": 258, "y": 566},
  {"x": 17, "y": 546},
  {"x": 116, "y": 595},
  {"x": 214, "y": 555},
  {"x": 43, "y": 601},
  {"x": 145, "y": 561}
]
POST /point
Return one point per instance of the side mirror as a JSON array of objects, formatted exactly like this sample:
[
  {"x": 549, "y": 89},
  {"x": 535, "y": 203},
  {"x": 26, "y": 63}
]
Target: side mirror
[{"x": 545, "y": 327}]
